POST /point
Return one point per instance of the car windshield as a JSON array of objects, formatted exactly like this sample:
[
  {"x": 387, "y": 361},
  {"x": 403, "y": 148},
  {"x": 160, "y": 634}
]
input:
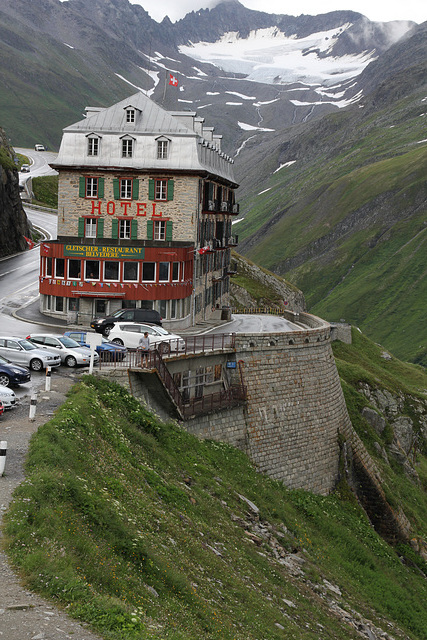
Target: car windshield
[
  {"x": 117, "y": 313},
  {"x": 68, "y": 342},
  {"x": 27, "y": 345},
  {"x": 161, "y": 331},
  {"x": 4, "y": 360}
]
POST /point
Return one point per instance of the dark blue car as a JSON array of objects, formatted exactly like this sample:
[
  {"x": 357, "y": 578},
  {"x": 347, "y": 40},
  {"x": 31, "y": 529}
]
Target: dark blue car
[
  {"x": 108, "y": 351},
  {"x": 12, "y": 373}
]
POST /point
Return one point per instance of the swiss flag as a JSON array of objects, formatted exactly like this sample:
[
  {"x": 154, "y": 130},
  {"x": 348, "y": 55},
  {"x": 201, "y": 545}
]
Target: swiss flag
[
  {"x": 173, "y": 80},
  {"x": 44, "y": 248}
]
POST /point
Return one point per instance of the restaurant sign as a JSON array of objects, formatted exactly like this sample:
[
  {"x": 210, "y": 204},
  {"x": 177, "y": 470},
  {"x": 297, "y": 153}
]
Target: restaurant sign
[{"x": 106, "y": 253}]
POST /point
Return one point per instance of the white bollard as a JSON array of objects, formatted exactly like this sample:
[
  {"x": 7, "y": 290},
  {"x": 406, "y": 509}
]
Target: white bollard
[
  {"x": 3, "y": 449},
  {"x": 48, "y": 378},
  {"x": 33, "y": 404}
]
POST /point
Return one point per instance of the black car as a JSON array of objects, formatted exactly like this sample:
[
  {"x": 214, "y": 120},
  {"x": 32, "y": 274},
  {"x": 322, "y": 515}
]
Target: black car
[
  {"x": 104, "y": 325},
  {"x": 12, "y": 373}
]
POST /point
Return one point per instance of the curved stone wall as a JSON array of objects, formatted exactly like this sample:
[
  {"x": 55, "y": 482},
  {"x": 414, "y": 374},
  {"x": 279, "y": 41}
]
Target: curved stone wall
[{"x": 295, "y": 406}]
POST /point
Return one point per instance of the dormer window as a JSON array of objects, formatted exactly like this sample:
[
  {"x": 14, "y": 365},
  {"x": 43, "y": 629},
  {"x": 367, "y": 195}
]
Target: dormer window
[
  {"x": 127, "y": 147},
  {"x": 162, "y": 149},
  {"x": 93, "y": 146},
  {"x": 130, "y": 116}
]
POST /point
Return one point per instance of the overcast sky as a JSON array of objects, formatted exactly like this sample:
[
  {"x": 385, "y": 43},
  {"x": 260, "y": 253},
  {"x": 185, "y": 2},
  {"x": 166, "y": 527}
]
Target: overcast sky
[{"x": 379, "y": 10}]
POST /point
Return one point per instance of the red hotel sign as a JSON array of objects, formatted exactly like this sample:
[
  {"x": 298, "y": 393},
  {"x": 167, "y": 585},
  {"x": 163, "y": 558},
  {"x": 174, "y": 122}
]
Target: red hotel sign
[{"x": 124, "y": 208}]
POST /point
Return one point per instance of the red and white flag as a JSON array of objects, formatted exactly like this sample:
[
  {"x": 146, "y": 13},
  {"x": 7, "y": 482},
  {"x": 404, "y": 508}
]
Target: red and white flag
[
  {"x": 44, "y": 248},
  {"x": 173, "y": 80},
  {"x": 30, "y": 243}
]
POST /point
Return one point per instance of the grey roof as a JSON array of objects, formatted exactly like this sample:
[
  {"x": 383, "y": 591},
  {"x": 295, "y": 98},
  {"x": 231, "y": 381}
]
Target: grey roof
[{"x": 150, "y": 119}]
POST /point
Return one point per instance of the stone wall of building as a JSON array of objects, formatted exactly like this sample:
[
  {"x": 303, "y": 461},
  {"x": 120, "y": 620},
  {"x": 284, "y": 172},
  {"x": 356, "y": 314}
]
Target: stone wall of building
[{"x": 181, "y": 210}]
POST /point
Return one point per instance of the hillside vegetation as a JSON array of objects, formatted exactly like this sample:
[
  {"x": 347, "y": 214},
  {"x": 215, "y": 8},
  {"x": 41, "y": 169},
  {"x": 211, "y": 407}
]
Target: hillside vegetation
[
  {"x": 346, "y": 220},
  {"x": 146, "y": 532}
]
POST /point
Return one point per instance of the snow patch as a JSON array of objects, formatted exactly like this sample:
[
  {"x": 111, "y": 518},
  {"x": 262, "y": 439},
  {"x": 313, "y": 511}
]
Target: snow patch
[
  {"x": 240, "y": 95},
  {"x": 131, "y": 83},
  {"x": 212, "y": 93},
  {"x": 287, "y": 164},
  {"x": 265, "y": 191},
  {"x": 250, "y": 127},
  {"x": 189, "y": 101},
  {"x": 269, "y": 56},
  {"x": 234, "y": 104},
  {"x": 68, "y": 45}
]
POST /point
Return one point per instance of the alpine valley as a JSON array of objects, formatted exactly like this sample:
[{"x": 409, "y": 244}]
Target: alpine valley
[{"x": 325, "y": 116}]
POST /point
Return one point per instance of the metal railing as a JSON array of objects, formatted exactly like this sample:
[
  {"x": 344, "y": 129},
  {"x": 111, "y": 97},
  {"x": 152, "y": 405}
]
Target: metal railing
[
  {"x": 194, "y": 345},
  {"x": 259, "y": 310}
]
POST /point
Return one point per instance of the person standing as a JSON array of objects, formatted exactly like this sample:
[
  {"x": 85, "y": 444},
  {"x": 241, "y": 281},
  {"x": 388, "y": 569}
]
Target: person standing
[{"x": 144, "y": 347}]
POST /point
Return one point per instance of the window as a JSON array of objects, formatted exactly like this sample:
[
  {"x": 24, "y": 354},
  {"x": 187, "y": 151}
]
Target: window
[
  {"x": 161, "y": 189},
  {"x": 130, "y": 116},
  {"x": 48, "y": 267},
  {"x": 91, "y": 187},
  {"x": 159, "y": 230},
  {"x": 173, "y": 308},
  {"x": 74, "y": 268},
  {"x": 92, "y": 146},
  {"x": 130, "y": 271},
  {"x": 59, "y": 267},
  {"x": 59, "y": 304},
  {"x": 162, "y": 149},
  {"x": 148, "y": 271},
  {"x": 164, "y": 272},
  {"x": 100, "y": 307},
  {"x": 124, "y": 229},
  {"x": 175, "y": 271},
  {"x": 73, "y": 305},
  {"x": 92, "y": 270},
  {"x": 111, "y": 270},
  {"x": 90, "y": 227},
  {"x": 126, "y": 189},
  {"x": 162, "y": 308},
  {"x": 127, "y": 148}
]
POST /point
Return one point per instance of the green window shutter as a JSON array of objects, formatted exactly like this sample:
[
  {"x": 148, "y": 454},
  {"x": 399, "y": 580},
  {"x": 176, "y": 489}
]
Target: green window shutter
[
  {"x": 135, "y": 189},
  {"x": 100, "y": 187},
  {"x": 116, "y": 189},
  {"x": 151, "y": 189},
  {"x": 169, "y": 230},
  {"x": 100, "y": 228},
  {"x": 170, "y": 189},
  {"x": 82, "y": 187},
  {"x": 81, "y": 228},
  {"x": 134, "y": 229},
  {"x": 115, "y": 228},
  {"x": 150, "y": 230}
]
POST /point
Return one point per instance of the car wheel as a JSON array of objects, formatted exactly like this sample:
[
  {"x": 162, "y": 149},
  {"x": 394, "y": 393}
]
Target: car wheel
[
  {"x": 107, "y": 329},
  {"x": 36, "y": 364},
  {"x": 164, "y": 348},
  {"x": 117, "y": 341},
  {"x": 4, "y": 380},
  {"x": 70, "y": 361}
]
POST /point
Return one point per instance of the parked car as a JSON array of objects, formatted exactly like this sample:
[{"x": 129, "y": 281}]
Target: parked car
[
  {"x": 39, "y": 147},
  {"x": 22, "y": 351},
  {"x": 1, "y": 408},
  {"x": 106, "y": 350},
  {"x": 12, "y": 374},
  {"x": 7, "y": 397},
  {"x": 70, "y": 352},
  {"x": 130, "y": 333},
  {"x": 25, "y": 168},
  {"x": 104, "y": 325}
]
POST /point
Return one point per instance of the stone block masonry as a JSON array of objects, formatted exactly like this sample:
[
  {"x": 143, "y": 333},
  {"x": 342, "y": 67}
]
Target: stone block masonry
[{"x": 295, "y": 407}]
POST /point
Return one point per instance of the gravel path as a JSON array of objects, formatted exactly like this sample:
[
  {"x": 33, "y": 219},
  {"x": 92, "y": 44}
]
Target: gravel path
[{"x": 24, "y": 615}]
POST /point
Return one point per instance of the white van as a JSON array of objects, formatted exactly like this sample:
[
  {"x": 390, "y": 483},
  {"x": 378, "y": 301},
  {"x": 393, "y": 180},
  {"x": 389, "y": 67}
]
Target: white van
[{"x": 39, "y": 147}]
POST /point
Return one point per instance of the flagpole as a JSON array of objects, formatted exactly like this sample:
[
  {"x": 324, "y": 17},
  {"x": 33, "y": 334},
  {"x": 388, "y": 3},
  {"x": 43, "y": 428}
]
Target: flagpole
[{"x": 164, "y": 92}]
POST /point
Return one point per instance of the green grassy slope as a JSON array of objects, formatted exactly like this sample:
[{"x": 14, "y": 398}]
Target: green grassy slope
[
  {"x": 145, "y": 532},
  {"x": 346, "y": 221}
]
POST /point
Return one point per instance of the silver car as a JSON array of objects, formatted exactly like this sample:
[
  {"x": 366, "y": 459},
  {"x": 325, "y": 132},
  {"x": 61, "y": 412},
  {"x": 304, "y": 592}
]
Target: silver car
[
  {"x": 23, "y": 352},
  {"x": 70, "y": 352}
]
